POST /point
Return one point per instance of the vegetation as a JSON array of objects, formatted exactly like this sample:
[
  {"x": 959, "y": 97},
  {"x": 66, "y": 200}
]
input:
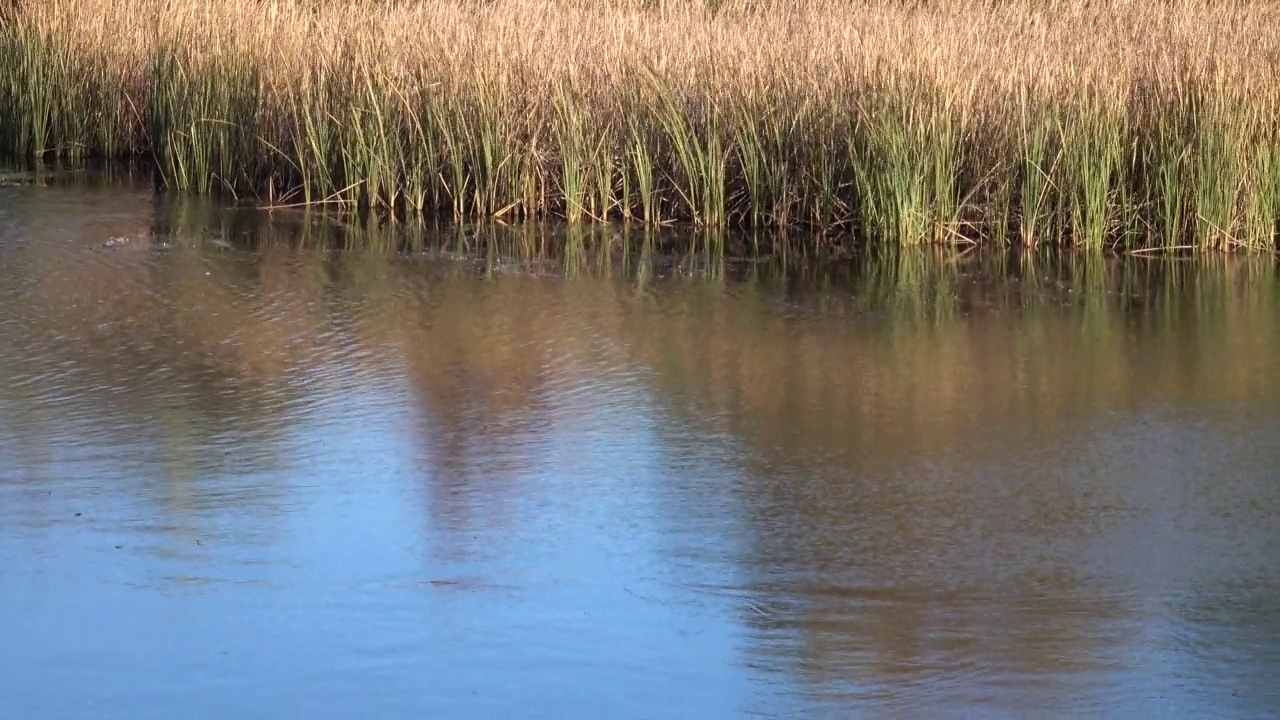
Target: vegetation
[{"x": 1090, "y": 123}]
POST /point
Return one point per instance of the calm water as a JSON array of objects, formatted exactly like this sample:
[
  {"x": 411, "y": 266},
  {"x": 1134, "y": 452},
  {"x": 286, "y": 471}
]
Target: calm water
[{"x": 245, "y": 474}]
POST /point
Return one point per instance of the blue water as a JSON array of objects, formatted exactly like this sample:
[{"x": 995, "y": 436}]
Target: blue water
[{"x": 266, "y": 479}]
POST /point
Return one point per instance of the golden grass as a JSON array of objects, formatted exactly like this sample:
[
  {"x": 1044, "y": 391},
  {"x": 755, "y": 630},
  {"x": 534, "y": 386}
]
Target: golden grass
[{"x": 1081, "y": 122}]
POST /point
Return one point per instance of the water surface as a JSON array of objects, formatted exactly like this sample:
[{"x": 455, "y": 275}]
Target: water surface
[{"x": 247, "y": 473}]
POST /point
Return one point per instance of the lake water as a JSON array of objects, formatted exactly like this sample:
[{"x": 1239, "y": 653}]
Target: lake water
[{"x": 247, "y": 473}]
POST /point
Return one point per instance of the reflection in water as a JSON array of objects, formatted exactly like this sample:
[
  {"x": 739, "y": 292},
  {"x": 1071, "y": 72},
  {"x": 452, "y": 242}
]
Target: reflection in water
[{"x": 243, "y": 468}]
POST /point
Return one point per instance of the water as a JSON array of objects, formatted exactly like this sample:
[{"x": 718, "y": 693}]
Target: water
[{"x": 245, "y": 476}]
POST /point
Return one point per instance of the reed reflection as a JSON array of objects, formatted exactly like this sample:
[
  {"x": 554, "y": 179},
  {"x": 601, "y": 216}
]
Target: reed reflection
[{"x": 977, "y": 488}]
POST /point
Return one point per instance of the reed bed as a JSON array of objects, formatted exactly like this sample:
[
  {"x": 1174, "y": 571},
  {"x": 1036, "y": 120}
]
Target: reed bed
[{"x": 1090, "y": 123}]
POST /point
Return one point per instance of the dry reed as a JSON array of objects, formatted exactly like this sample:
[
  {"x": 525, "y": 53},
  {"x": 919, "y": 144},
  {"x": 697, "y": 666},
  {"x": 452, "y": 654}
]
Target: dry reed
[{"x": 1088, "y": 123}]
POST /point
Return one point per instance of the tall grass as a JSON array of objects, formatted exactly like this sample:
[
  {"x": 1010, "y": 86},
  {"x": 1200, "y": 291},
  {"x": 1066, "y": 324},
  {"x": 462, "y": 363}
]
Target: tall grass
[{"x": 1099, "y": 124}]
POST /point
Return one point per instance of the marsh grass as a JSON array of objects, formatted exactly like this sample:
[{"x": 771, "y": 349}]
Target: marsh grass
[{"x": 1033, "y": 122}]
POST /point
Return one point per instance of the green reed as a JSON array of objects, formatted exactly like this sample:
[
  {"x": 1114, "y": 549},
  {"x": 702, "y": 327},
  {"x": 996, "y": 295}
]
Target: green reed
[
  {"x": 694, "y": 133},
  {"x": 203, "y": 115},
  {"x": 1262, "y": 201},
  {"x": 907, "y": 162},
  {"x": 33, "y": 77},
  {"x": 640, "y": 190},
  {"x": 1092, "y": 146},
  {"x": 1219, "y": 170},
  {"x": 313, "y": 130},
  {"x": 1040, "y": 160},
  {"x": 763, "y": 151}
]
